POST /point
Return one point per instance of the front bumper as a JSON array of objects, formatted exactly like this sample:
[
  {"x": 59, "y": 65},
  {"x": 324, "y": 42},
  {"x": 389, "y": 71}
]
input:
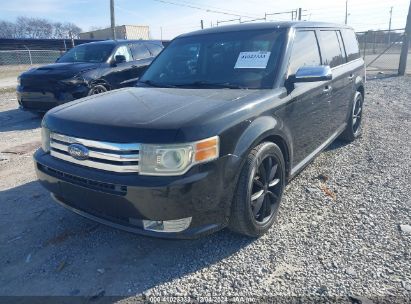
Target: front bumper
[
  {"x": 42, "y": 100},
  {"x": 125, "y": 200}
]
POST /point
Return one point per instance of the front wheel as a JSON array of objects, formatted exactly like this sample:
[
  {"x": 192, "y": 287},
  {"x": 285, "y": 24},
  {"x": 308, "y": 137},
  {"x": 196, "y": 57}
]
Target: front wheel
[
  {"x": 259, "y": 191},
  {"x": 97, "y": 89},
  {"x": 354, "y": 123}
]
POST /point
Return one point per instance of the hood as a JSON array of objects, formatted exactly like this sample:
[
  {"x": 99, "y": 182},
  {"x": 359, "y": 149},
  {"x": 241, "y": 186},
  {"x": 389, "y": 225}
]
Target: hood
[
  {"x": 140, "y": 114},
  {"x": 60, "y": 70}
]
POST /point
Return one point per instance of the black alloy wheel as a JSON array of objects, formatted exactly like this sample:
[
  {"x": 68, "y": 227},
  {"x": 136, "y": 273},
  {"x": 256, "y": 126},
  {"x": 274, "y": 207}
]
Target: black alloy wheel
[
  {"x": 355, "y": 119},
  {"x": 259, "y": 191}
]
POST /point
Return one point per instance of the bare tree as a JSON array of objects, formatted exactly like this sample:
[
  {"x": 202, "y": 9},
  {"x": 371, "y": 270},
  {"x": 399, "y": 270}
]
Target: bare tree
[
  {"x": 38, "y": 28},
  {"x": 7, "y": 29}
]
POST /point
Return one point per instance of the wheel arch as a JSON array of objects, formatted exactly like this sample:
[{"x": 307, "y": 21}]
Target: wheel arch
[{"x": 266, "y": 128}]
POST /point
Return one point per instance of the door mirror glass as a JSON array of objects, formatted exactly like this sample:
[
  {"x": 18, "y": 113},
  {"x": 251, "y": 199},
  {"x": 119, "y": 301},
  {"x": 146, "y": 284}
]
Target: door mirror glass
[
  {"x": 313, "y": 74},
  {"x": 120, "y": 59}
]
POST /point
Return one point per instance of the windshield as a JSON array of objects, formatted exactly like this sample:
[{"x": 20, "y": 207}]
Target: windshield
[
  {"x": 246, "y": 59},
  {"x": 88, "y": 53}
]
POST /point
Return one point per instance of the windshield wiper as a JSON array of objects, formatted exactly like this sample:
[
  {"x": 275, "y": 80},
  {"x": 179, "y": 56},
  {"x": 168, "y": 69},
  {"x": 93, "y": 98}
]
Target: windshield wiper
[
  {"x": 156, "y": 85},
  {"x": 200, "y": 84}
]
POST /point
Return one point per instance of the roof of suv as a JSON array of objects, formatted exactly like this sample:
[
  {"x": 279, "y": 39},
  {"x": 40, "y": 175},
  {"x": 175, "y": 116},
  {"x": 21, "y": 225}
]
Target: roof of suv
[
  {"x": 264, "y": 26},
  {"x": 118, "y": 42}
]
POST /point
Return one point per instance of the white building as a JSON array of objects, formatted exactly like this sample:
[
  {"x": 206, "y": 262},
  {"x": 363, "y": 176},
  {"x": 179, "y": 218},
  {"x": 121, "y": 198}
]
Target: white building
[{"x": 132, "y": 32}]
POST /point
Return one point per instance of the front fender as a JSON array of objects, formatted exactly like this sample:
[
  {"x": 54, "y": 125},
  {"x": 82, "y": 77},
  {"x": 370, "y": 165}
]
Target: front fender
[{"x": 261, "y": 128}]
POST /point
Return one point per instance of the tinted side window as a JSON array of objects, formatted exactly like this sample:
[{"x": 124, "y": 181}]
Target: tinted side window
[
  {"x": 123, "y": 50},
  {"x": 351, "y": 44},
  {"x": 155, "y": 49},
  {"x": 139, "y": 51},
  {"x": 330, "y": 49},
  {"x": 304, "y": 52}
]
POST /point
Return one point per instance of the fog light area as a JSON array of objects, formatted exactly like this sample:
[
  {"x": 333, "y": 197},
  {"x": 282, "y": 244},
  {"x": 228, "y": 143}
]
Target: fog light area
[{"x": 167, "y": 226}]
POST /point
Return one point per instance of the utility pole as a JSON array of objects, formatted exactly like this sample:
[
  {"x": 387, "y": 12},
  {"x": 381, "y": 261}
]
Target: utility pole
[
  {"x": 346, "y": 11},
  {"x": 405, "y": 45},
  {"x": 389, "y": 27},
  {"x": 300, "y": 10},
  {"x": 113, "y": 23},
  {"x": 202, "y": 24}
]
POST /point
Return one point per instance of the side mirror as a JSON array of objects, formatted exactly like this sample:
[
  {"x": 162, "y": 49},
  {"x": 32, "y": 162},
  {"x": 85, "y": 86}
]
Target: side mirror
[
  {"x": 120, "y": 59},
  {"x": 313, "y": 74}
]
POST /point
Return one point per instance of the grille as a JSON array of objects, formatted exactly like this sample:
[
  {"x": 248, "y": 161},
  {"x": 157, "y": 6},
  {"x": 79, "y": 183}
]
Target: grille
[
  {"x": 38, "y": 83},
  {"x": 100, "y": 186},
  {"x": 115, "y": 157}
]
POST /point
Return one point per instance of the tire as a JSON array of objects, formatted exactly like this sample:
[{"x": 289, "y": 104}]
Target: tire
[
  {"x": 97, "y": 89},
  {"x": 354, "y": 123},
  {"x": 254, "y": 217}
]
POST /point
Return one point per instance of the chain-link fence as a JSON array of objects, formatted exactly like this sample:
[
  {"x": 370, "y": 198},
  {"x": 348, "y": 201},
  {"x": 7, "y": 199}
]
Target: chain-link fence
[
  {"x": 15, "y": 62},
  {"x": 381, "y": 51},
  {"x": 18, "y": 57}
]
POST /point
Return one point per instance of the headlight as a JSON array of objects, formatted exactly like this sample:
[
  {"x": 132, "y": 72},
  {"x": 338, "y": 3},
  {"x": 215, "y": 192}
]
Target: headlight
[
  {"x": 78, "y": 79},
  {"x": 177, "y": 159},
  {"x": 45, "y": 139}
]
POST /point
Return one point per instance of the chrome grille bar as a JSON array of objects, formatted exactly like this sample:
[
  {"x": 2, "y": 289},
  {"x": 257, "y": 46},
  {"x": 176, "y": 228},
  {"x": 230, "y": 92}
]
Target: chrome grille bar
[{"x": 115, "y": 157}]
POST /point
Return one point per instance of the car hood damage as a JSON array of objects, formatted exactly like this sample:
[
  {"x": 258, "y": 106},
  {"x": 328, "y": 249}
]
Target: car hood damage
[
  {"x": 140, "y": 114},
  {"x": 56, "y": 72}
]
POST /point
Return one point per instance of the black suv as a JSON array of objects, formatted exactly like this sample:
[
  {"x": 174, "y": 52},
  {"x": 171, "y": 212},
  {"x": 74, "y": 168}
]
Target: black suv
[
  {"x": 84, "y": 70},
  {"x": 218, "y": 124}
]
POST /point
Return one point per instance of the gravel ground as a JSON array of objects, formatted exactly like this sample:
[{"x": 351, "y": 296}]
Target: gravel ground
[{"x": 338, "y": 235}]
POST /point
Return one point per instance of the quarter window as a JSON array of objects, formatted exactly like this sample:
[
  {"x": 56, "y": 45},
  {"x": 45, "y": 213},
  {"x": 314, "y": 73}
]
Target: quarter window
[
  {"x": 351, "y": 45},
  {"x": 305, "y": 51},
  {"x": 330, "y": 49}
]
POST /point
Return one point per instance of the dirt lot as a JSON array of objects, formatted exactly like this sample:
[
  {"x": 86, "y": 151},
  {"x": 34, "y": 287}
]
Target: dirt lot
[{"x": 339, "y": 230}]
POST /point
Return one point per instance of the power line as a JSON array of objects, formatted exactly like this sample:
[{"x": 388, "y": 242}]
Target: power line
[
  {"x": 203, "y": 9},
  {"x": 213, "y": 7}
]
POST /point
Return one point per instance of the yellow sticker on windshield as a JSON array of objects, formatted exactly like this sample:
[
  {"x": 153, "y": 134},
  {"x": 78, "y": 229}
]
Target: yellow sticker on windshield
[{"x": 252, "y": 60}]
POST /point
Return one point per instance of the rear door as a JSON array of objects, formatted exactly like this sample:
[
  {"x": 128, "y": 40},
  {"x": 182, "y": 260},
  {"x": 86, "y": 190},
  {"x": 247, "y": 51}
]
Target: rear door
[
  {"x": 333, "y": 54},
  {"x": 142, "y": 59},
  {"x": 307, "y": 113}
]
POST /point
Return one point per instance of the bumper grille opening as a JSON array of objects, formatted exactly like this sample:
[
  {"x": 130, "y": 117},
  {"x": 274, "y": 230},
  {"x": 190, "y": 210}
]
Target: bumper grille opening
[{"x": 81, "y": 181}]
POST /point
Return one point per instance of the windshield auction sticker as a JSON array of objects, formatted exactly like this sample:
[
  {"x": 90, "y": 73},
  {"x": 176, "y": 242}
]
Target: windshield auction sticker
[{"x": 252, "y": 60}]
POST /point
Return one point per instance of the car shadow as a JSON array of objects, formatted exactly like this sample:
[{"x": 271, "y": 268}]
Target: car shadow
[
  {"x": 337, "y": 144},
  {"x": 18, "y": 120},
  {"x": 66, "y": 254}
]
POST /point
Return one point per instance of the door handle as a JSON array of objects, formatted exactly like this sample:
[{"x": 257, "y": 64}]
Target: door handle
[
  {"x": 327, "y": 89},
  {"x": 351, "y": 77}
]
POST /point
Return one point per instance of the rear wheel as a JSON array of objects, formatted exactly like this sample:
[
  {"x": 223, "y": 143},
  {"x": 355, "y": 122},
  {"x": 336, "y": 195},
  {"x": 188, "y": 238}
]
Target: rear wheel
[
  {"x": 97, "y": 89},
  {"x": 354, "y": 123},
  {"x": 259, "y": 191}
]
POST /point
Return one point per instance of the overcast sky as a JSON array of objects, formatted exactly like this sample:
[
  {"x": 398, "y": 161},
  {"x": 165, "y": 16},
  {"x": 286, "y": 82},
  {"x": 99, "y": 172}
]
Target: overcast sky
[{"x": 177, "y": 19}]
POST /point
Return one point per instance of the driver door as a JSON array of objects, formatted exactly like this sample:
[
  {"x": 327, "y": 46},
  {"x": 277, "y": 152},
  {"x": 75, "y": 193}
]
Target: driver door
[
  {"x": 120, "y": 73},
  {"x": 308, "y": 110}
]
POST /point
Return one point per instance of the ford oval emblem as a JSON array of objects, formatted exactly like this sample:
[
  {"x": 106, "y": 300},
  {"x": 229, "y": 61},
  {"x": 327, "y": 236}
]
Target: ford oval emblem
[{"x": 78, "y": 151}]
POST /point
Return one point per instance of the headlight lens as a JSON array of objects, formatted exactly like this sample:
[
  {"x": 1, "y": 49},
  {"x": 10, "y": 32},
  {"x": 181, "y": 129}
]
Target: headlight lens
[
  {"x": 78, "y": 79},
  {"x": 19, "y": 81},
  {"x": 176, "y": 159},
  {"x": 45, "y": 139}
]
